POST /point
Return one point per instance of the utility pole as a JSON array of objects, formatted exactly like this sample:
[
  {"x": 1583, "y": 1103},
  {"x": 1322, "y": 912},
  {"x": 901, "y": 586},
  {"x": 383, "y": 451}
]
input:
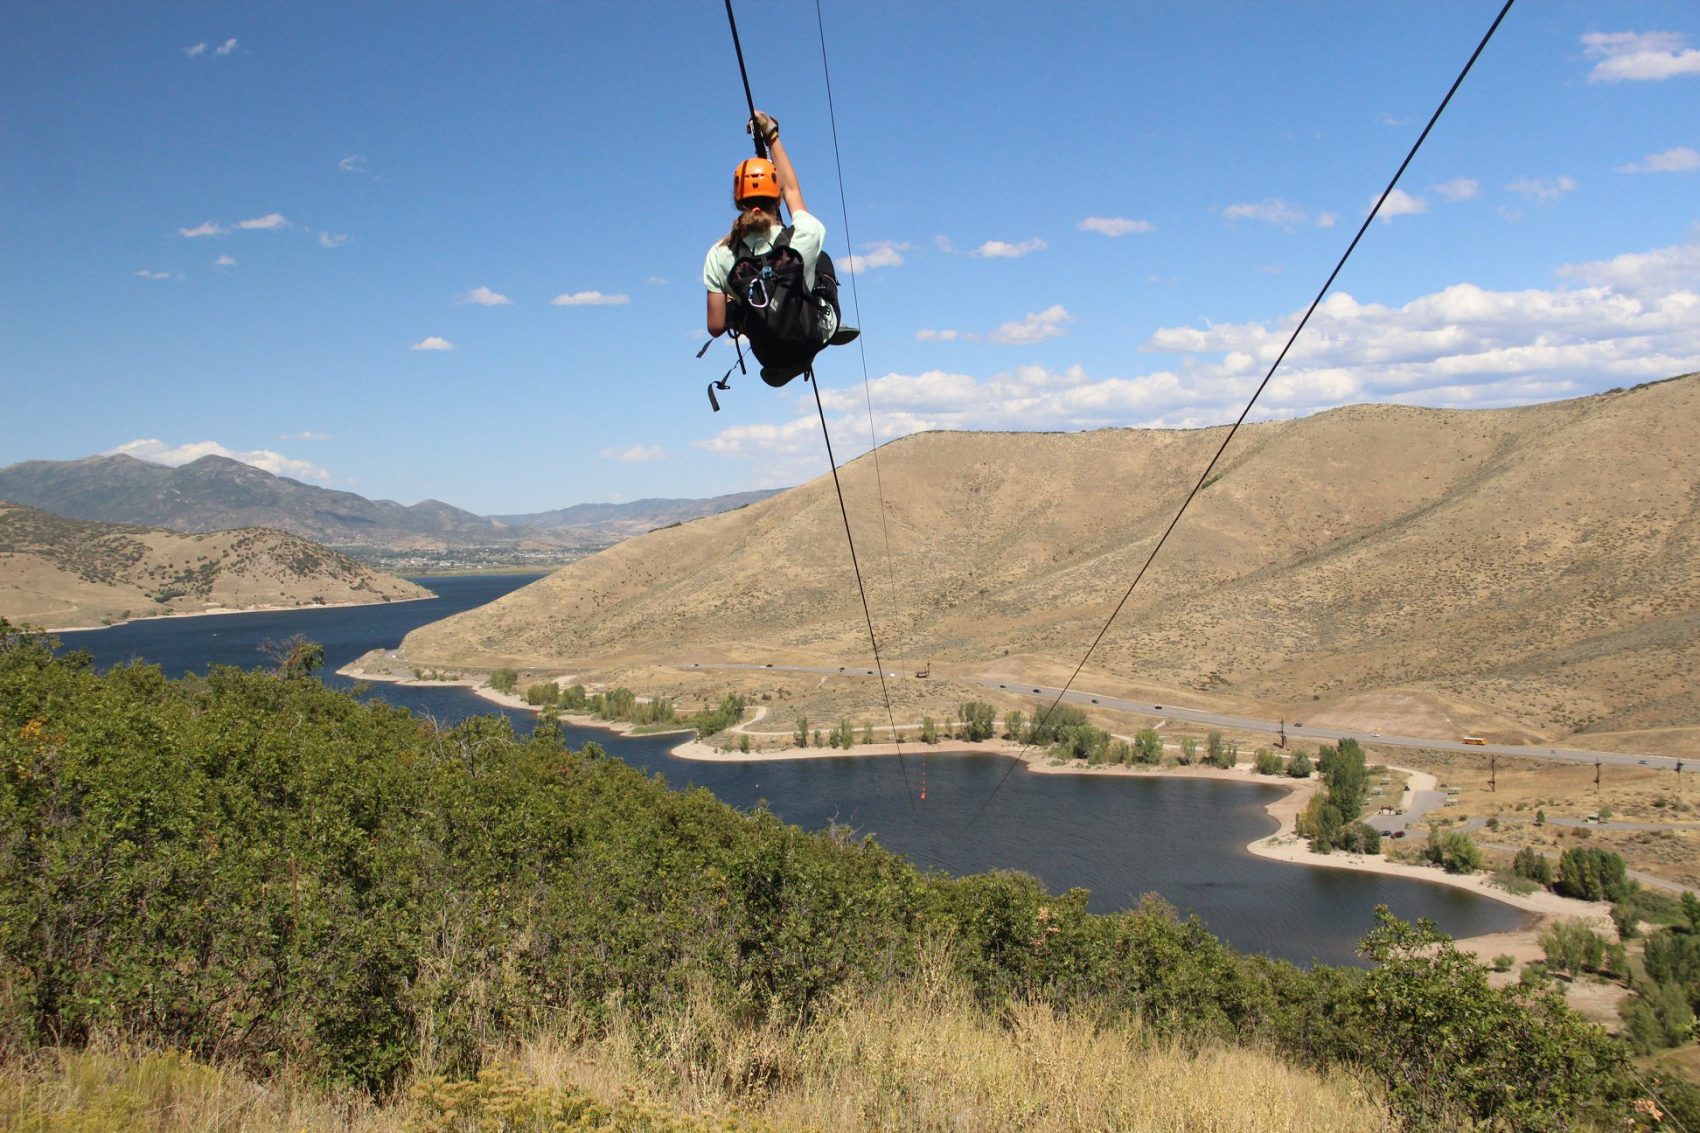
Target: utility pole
[
  {"x": 1493, "y": 773},
  {"x": 1282, "y": 742},
  {"x": 1596, "y": 774}
]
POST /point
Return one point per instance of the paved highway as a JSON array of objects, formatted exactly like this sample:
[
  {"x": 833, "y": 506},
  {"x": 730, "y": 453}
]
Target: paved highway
[{"x": 1242, "y": 723}]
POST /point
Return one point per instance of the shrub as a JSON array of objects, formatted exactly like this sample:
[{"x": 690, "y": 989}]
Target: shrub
[
  {"x": 1454, "y": 852},
  {"x": 1572, "y": 946},
  {"x": 1299, "y": 766},
  {"x": 1267, "y": 762},
  {"x": 1532, "y": 864},
  {"x": 504, "y": 680}
]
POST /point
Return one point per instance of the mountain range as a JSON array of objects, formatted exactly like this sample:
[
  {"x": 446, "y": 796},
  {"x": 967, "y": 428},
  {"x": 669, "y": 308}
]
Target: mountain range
[{"x": 216, "y": 493}]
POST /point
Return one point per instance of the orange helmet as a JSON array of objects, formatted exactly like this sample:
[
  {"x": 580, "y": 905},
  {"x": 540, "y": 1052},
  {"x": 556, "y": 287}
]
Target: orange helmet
[{"x": 754, "y": 177}]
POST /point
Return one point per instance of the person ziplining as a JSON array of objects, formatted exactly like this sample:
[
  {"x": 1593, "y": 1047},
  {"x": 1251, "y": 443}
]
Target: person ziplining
[{"x": 774, "y": 285}]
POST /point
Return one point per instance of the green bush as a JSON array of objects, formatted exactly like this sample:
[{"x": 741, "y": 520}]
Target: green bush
[
  {"x": 504, "y": 680},
  {"x": 1592, "y": 875},
  {"x": 1268, "y": 762},
  {"x": 1532, "y": 864},
  {"x": 1453, "y": 851}
]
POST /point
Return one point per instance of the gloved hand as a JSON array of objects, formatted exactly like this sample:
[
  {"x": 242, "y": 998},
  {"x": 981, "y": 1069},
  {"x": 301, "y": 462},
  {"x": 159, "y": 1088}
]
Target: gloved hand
[{"x": 763, "y": 126}]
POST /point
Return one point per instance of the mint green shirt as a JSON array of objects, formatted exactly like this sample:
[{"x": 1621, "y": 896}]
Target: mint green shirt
[{"x": 808, "y": 235}]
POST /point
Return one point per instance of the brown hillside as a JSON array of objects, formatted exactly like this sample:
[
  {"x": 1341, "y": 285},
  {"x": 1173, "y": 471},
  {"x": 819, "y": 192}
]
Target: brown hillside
[
  {"x": 1529, "y": 572},
  {"x": 62, "y": 573}
]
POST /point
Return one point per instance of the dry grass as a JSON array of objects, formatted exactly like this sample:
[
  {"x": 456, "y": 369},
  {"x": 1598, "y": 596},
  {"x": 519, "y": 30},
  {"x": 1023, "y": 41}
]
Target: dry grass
[{"x": 919, "y": 1058}]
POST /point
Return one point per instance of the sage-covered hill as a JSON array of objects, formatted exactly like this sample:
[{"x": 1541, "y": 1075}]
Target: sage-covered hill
[
  {"x": 1526, "y": 574},
  {"x": 69, "y": 572},
  {"x": 268, "y": 874}
]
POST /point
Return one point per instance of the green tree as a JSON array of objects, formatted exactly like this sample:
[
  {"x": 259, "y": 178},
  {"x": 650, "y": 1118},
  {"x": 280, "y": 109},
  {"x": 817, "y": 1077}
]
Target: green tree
[
  {"x": 929, "y": 730},
  {"x": 1592, "y": 874},
  {"x": 1189, "y": 751},
  {"x": 979, "y": 721},
  {"x": 1572, "y": 946},
  {"x": 1532, "y": 864},
  {"x": 1268, "y": 762},
  {"x": 1147, "y": 747},
  {"x": 1013, "y": 722},
  {"x": 844, "y": 736},
  {"x": 1343, "y": 771},
  {"x": 504, "y": 680},
  {"x": 1299, "y": 766},
  {"x": 1453, "y": 1051},
  {"x": 867, "y": 731},
  {"x": 1454, "y": 852}
]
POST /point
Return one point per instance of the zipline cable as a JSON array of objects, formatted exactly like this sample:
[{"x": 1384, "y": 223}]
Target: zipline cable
[
  {"x": 749, "y": 99},
  {"x": 861, "y": 341},
  {"x": 1258, "y": 392},
  {"x": 855, "y": 564},
  {"x": 879, "y": 665}
]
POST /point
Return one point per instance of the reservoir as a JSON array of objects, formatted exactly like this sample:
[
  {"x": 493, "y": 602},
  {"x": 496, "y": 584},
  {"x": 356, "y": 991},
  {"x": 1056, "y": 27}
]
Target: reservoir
[{"x": 1119, "y": 837}]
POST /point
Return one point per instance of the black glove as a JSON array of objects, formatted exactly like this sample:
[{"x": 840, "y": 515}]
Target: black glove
[{"x": 763, "y": 126}]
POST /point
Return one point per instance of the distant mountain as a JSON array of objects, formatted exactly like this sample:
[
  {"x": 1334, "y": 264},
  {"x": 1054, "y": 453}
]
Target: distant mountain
[
  {"x": 215, "y": 493},
  {"x": 621, "y": 521},
  {"x": 62, "y": 572}
]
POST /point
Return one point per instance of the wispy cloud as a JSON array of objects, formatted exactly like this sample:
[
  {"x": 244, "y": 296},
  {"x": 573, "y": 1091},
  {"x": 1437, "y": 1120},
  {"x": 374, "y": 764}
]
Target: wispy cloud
[
  {"x": 225, "y": 262},
  {"x": 633, "y": 454},
  {"x": 483, "y": 297},
  {"x": 353, "y": 163},
  {"x": 939, "y": 335},
  {"x": 205, "y": 228},
  {"x": 1049, "y": 323},
  {"x": 943, "y": 244},
  {"x": 1272, "y": 211},
  {"x": 879, "y": 254},
  {"x": 1627, "y": 56},
  {"x": 589, "y": 299},
  {"x": 159, "y": 452},
  {"x": 1400, "y": 203},
  {"x": 1678, "y": 160},
  {"x": 305, "y": 435},
  {"x": 432, "y": 343},
  {"x": 1002, "y": 250},
  {"x": 272, "y": 221},
  {"x": 157, "y": 275},
  {"x": 1458, "y": 189},
  {"x": 1325, "y": 220},
  {"x": 1115, "y": 225},
  {"x": 332, "y": 239},
  {"x": 1543, "y": 191},
  {"x": 656, "y": 280},
  {"x": 1618, "y": 321},
  {"x": 225, "y": 48},
  {"x": 195, "y": 50}
]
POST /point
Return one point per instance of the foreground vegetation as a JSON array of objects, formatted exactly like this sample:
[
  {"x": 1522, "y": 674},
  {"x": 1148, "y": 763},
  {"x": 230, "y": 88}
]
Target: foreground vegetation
[{"x": 281, "y": 881}]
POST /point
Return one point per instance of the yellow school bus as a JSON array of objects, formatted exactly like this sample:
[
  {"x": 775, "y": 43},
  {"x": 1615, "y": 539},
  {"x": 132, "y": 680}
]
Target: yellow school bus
[{"x": 1475, "y": 741}]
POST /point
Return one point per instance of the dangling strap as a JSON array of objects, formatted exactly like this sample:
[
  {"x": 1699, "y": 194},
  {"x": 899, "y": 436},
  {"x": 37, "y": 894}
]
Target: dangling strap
[{"x": 724, "y": 385}]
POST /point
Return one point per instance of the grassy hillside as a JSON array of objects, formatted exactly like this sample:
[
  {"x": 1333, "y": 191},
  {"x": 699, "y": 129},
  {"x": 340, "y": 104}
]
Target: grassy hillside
[
  {"x": 1521, "y": 573},
  {"x": 67, "y": 572},
  {"x": 277, "y": 878}
]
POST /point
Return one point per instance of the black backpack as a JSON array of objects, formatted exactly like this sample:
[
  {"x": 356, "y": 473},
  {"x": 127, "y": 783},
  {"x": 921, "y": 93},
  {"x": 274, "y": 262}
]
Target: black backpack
[{"x": 770, "y": 306}]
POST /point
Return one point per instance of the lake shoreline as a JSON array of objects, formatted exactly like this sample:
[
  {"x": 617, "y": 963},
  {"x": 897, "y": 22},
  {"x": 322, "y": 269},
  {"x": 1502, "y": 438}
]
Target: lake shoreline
[
  {"x": 223, "y": 611},
  {"x": 1282, "y": 845}
]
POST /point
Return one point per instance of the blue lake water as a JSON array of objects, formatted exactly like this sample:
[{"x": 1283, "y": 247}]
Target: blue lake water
[{"x": 1118, "y": 837}]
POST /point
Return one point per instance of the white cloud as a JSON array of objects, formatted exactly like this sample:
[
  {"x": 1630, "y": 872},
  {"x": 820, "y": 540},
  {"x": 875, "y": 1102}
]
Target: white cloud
[
  {"x": 1630, "y": 56},
  {"x": 159, "y": 452},
  {"x": 432, "y": 343},
  {"x": 1389, "y": 120},
  {"x": 1678, "y": 160},
  {"x": 225, "y": 48},
  {"x": 943, "y": 244},
  {"x": 656, "y": 280},
  {"x": 1543, "y": 191},
  {"x": 1400, "y": 203},
  {"x": 157, "y": 275},
  {"x": 1325, "y": 220},
  {"x": 1034, "y": 328},
  {"x": 939, "y": 335},
  {"x": 1002, "y": 250},
  {"x": 205, "y": 228},
  {"x": 1115, "y": 225},
  {"x": 879, "y": 254},
  {"x": 269, "y": 222},
  {"x": 1273, "y": 211},
  {"x": 1632, "y": 318},
  {"x": 589, "y": 299},
  {"x": 305, "y": 435},
  {"x": 353, "y": 163},
  {"x": 332, "y": 239},
  {"x": 633, "y": 454},
  {"x": 195, "y": 50},
  {"x": 225, "y": 262},
  {"x": 1458, "y": 189},
  {"x": 483, "y": 297}
]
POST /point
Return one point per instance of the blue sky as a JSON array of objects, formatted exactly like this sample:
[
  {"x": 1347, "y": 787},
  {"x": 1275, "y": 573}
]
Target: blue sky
[{"x": 242, "y": 227}]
